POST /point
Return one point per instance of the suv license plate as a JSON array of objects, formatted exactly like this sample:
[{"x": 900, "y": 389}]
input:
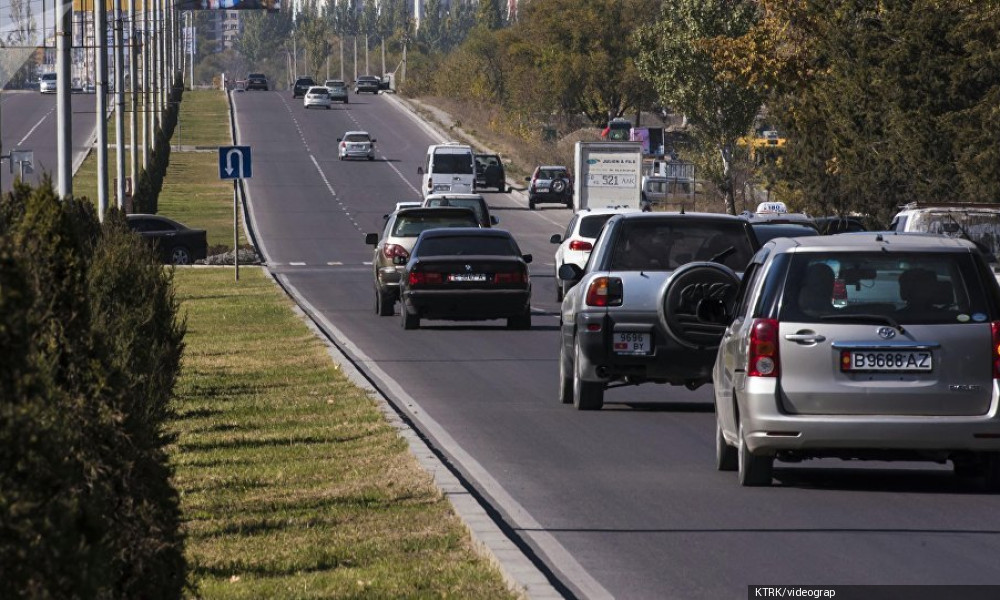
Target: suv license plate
[
  {"x": 895, "y": 361},
  {"x": 631, "y": 342},
  {"x": 542, "y": 190}
]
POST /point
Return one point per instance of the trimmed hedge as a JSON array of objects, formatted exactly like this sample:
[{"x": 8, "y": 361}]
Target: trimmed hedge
[
  {"x": 147, "y": 191},
  {"x": 90, "y": 349}
]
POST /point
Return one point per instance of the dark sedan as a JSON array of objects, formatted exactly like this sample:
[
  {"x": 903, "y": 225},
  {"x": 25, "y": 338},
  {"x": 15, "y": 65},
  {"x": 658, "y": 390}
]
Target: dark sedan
[
  {"x": 466, "y": 274},
  {"x": 176, "y": 243},
  {"x": 367, "y": 83},
  {"x": 257, "y": 81},
  {"x": 302, "y": 85},
  {"x": 490, "y": 172}
]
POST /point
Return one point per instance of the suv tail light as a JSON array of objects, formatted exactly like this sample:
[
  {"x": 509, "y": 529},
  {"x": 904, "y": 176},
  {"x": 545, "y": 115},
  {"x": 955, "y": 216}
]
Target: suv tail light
[
  {"x": 391, "y": 251},
  {"x": 422, "y": 278},
  {"x": 763, "y": 360},
  {"x": 605, "y": 291},
  {"x": 581, "y": 246},
  {"x": 996, "y": 349}
]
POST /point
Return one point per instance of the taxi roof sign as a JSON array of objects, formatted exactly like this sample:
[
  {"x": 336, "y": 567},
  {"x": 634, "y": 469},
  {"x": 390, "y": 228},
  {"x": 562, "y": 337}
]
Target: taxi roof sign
[{"x": 772, "y": 208}]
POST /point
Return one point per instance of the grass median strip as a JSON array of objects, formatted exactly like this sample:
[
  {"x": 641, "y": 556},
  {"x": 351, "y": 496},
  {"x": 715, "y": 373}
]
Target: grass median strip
[{"x": 292, "y": 483}]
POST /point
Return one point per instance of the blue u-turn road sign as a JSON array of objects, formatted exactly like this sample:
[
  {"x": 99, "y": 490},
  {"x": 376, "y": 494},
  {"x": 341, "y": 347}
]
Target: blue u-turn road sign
[{"x": 234, "y": 162}]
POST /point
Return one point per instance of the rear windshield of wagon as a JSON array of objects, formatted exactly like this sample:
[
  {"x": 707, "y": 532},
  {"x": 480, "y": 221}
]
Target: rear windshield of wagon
[{"x": 908, "y": 288}]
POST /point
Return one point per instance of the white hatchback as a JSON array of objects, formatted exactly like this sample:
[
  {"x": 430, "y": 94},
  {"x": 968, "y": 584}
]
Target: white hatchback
[
  {"x": 317, "y": 96},
  {"x": 578, "y": 241}
]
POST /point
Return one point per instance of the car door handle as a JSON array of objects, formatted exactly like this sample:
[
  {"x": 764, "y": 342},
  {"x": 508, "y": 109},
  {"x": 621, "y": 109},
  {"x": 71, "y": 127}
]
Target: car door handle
[{"x": 805, "y": 338}]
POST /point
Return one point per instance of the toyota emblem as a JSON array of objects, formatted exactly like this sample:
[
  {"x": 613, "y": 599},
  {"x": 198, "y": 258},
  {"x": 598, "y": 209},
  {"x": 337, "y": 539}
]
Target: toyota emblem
[{"x": 886, "y": 333}]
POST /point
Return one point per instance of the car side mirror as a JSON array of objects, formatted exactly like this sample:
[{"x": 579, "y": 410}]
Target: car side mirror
[
  {"x": 374, "y": 140},
  {"x": 371, "y": 238},
  {"x": 527, "y": 258},
  {"x": 570, "y": 272},
  {"x": 399, "y": 260},
  {"x": 527, "y": 179},
  {"x": 494, "y": 220},
  {"x": 340, "y": 139},
  {"x": 555, "y": 239},
  {"x": 420, "y": 170}
]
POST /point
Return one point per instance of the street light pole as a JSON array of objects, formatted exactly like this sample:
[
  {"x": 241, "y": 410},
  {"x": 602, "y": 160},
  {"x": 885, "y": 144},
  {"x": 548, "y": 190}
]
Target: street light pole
[
  {"x": 64, "y": 118},
  {"x": 101, "y": 63}
]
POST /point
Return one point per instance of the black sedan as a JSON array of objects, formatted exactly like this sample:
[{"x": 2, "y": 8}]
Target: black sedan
[
  {"x": 466, "y": 274},
  {"x": 176, "y": 243}
]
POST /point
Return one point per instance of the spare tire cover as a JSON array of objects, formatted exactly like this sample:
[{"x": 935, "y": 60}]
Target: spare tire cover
[
  {"x": 709, "y": 286},
  {"x": 558, "y": 185}
]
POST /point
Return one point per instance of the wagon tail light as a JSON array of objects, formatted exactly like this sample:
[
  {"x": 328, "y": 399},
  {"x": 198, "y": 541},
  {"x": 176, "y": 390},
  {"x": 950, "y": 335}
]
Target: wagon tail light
[
  {"x": 996, "y": 349},
  {"x": 391, "y": 251},
  {"x": 605, "y": 291},
  {"x": 763, "y": 357},
  {"x": 424, "y": 278}
]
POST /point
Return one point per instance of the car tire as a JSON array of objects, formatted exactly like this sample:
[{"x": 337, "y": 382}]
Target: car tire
[
  {"x": 384, "y": 303},
  {"x": 408, "y": 320},
  {"x": 531, "y": 205},
  {"x": 587, "y": 395},
  {"x": 754, "y": 470},
  {"x": 179, "y": 255},
  {"x": 569, "y": 204},
  {"x": 692, "y": 287},
  {"x": 521, "y": 321},
  {"x": 991, "y": 471},
  {"x": 560, "y": 293},
  {"x": 726, "y": 457},
  {"x": 565, "y": 377},
  {"x": 327, "y": 108},
  {"x": 371, "y": 158}
]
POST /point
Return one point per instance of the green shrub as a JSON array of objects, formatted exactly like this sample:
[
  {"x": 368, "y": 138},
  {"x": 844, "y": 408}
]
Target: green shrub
[{"x": 90, "y": 348}]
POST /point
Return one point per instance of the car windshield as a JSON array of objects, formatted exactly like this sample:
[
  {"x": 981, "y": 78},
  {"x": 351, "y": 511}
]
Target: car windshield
[
  {"x": 412, "y": 225},
  {"x": 474, "y": 204},
  {"x": 446, "y": 162},
  {"x": 766, "y": 232},
  {"x": 591, "y": 225},
  {"x": 917, "y": 288},
  {"x": 467, "y": 245},
  {"x": 49, "y": 77},
  {"x": 654, "y": 245},
  {"x": 357, "y": 137}
]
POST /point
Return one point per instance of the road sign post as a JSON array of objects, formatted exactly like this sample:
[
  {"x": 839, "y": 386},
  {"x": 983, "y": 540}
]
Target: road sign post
[{"x": 235, "y": 163}]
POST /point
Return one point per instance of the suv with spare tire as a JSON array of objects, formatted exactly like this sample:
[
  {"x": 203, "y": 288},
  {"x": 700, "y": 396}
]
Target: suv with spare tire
[
  {"x": 550, "y": 183},
  {"x": 650, "y": 304}
]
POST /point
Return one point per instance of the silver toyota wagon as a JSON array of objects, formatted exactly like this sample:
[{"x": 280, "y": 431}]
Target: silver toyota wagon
[{"x": 863, "y": 346}]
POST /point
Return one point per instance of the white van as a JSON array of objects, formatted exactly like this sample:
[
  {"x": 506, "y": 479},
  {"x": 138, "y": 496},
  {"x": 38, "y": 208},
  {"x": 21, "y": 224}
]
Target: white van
[{"x": 450, "y": 169}]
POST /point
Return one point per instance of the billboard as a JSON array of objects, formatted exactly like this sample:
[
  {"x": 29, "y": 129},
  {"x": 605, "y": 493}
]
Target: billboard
[{"x": 227, "y": 4}]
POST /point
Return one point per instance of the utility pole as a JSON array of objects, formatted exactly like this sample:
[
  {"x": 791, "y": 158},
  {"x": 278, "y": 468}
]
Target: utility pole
[
  {"x": 119, "y": 104},
  {"x": 64, "y": 117},
  {"x": 101, "y": 63},
  {"x": 133, "y": 117},
  {"x": 145, "y": 85}
]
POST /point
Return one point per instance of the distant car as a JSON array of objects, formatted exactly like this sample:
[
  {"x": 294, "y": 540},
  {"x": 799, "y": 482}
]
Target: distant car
[
  {"x": 869, "y": 346},
  {"x": 47, "y": 83},
  {"x": 301, "y": 86},
  {"x": 256, "y": 81},
  {"x": 338, "y": 90},
  {"x": 367, "y": 83},
  {"x": 175, "y": 242},
  {"x": 356, "y": 144},
  {"x": 834, "y": 225},
  {"x": 551, "y": 183},
  {"x": 396, "y": 240},
  {"x": 317, "y": 96},
  {"x": 490, "y": 172},
  {"x": 647, "y": 306},
  {"x": 780, "y": 223},
  {"x": 575, "y": 245},
  {"x": 466, "y": 275},
  {"x": 474, "y": 201}
]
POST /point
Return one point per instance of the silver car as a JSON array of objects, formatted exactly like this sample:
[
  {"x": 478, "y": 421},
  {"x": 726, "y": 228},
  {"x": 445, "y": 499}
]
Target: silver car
[
  {"x": 644, "y": 309},
  {"x": 356, "y": 144},
  {"x": 47, "y": 83},
  {"x": 338, "y": 90},
  {"x": 861, "y": 346}
]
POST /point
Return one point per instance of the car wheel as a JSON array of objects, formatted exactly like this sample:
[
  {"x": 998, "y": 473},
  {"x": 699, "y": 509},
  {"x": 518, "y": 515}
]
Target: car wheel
[
  {"x": 409, "y": 321},
  {"x": 371, "y": 158},
  {"x": 569, "y": 204},
  {"x": 384, "y": 303},
  {"x": 327, "y": 108},
  {"x": 521, "y": 321},
  {"x": 345, "y": 100},
  {"x": 531, "y": 205},
  {"x": 565, "y": 377},
  {"x": 559, "y": 291},
  {"x": 754, "y": 471},
  {"x": 991, "y": 471},
  {"x": 179, "y": 255},
  {"x": 726, "y": 457},
  {"x": 693, "y": 305},
  {"x": 587, "y": 395}
]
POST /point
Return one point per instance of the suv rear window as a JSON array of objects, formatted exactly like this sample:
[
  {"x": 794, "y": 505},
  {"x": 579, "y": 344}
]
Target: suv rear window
[
  {"x": 552, "y": 173},
  {"x": 655, "y": 245},
  {"x": 356, "y": 137},
  {"x": 912, "y": 288}
]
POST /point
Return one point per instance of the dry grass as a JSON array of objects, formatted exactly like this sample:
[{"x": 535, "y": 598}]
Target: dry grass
[{"x": 293, "y": 485}]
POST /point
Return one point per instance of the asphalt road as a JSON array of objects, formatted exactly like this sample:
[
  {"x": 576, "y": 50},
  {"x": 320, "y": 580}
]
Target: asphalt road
[
  {"x": 624, "y": 502},
  {"x": 28, "y": 122}
]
